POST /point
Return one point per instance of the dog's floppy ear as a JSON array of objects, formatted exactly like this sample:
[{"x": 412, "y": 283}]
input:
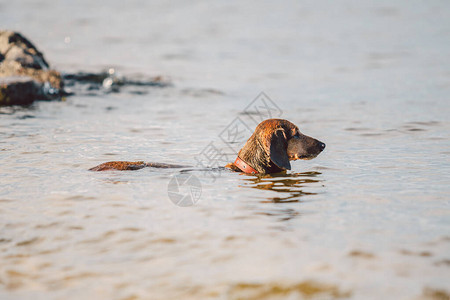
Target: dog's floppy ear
[{"x": 276, "y": 148}]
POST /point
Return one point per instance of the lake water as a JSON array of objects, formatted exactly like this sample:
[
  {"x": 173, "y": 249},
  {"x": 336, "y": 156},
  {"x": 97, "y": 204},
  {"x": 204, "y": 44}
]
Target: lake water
[{"x": 369, "y": 218}]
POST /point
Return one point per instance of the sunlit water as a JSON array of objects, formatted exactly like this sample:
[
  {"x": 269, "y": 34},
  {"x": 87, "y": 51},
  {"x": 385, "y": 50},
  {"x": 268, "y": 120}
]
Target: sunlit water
[{"x": 367, "y": 219}]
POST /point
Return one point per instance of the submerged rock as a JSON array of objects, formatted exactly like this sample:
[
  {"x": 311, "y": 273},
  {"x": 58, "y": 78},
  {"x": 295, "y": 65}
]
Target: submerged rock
[
  {"x": 109, "y": 82},
  {"x": 21, "y": 62}
]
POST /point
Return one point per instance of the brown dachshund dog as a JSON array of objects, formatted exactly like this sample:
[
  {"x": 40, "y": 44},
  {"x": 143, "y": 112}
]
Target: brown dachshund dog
[{"x": 273, "y": 144}]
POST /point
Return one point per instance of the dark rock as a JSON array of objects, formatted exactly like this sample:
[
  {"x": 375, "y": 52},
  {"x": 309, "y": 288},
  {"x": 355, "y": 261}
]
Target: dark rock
[
  {"x": 20, "y": 58},
  {"x": 19, "y": 90}
]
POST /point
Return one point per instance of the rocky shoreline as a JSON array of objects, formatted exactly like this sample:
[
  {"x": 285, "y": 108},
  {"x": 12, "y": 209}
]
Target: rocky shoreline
[{"x": 25, "y": 75}]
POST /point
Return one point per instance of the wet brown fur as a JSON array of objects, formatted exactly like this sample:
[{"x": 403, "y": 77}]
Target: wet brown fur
[{"x": 131, "y": 165}]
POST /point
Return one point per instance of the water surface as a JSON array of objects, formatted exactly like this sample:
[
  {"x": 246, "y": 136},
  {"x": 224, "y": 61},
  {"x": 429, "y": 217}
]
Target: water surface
[{"x": 367, "y": 219}]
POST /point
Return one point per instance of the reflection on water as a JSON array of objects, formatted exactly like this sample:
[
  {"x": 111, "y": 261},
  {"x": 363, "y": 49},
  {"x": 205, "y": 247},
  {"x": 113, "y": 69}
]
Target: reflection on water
[{"x": 289, "y": 187}]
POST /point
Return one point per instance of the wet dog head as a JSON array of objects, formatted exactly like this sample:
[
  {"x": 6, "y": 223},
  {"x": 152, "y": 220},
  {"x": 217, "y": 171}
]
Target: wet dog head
[{"x": 274, "y": 143}]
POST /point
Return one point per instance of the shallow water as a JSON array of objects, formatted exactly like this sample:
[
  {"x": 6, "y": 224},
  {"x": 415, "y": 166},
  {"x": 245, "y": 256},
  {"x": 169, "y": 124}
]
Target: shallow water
[{"x": 367, "y": 219}]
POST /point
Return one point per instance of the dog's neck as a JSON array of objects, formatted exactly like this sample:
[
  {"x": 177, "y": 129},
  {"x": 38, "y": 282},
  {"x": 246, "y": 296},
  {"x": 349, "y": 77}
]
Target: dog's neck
[{"x": 254, "y": 155}]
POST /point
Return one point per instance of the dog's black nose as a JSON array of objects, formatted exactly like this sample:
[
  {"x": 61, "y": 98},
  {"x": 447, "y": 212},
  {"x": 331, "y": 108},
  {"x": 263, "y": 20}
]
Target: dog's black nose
[{"x": 322, "y": 145}]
